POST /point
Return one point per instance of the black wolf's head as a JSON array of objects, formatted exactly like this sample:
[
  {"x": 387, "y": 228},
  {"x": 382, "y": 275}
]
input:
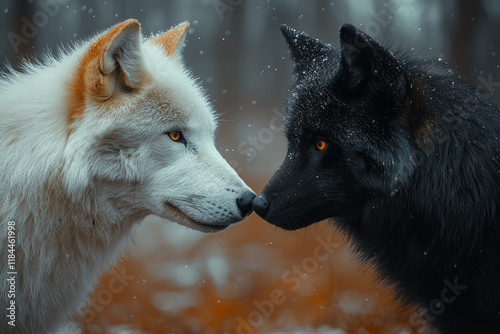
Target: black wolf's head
[{"x": 346, "y": 128}]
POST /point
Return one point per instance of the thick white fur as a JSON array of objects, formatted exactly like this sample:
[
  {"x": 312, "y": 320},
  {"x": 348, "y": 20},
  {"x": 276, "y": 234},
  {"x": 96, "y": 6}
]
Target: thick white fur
[{"x": 75, "y": 198}]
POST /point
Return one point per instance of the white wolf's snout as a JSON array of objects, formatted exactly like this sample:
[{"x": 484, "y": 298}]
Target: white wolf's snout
[{"x": 208, "y": 195}]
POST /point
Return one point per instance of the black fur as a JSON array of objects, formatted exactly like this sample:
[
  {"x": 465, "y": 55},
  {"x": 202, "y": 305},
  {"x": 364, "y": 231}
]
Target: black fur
[{"x": 411, "y": 172}]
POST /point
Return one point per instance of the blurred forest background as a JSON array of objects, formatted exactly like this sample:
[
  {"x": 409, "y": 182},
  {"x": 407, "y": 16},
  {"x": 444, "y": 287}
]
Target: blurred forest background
[{"x": 180, "y": 281}]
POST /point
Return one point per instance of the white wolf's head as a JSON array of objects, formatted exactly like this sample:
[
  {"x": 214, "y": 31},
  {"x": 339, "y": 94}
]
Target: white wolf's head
[{"x": 141, "y": 134}]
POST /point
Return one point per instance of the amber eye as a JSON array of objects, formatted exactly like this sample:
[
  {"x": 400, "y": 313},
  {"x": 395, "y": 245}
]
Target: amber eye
[
  {"x": 320, "y": 145},
  {"x": 175, "y": 135}
]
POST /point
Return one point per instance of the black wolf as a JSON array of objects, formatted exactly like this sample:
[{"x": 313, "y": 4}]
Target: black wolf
[{"x": 405, "y": 156}]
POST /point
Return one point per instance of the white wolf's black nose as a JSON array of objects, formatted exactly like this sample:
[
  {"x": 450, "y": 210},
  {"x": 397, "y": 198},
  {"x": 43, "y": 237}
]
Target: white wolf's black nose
[{"x": 245, "y": 203}]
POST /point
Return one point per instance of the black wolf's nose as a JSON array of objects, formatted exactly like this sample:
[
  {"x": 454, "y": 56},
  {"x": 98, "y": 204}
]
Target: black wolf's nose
[
  {"x": 260, "y": 205},
  {"x": 245, "y": 203}
]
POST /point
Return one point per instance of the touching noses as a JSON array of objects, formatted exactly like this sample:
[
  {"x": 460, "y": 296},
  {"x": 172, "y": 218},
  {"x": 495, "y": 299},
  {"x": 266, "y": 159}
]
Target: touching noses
[
  {"x": 260, "y": 205},
  {"x": 245, "y": 203}
]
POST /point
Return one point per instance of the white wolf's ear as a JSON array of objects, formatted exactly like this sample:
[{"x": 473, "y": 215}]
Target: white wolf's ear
[
  {"x": 112, "y": 64},
  {"x": 123, "y": 53},
  {"x": 172, "y": 41}
]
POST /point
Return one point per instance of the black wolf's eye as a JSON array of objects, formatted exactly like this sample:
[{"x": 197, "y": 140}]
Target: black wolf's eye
[
  {"x": 176, "y": 136},
  {"x": 320, "y": 144}
]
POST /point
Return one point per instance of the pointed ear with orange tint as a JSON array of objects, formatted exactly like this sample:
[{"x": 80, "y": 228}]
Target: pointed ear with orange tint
[
  {"x": 113, "y": 63},
  {"x": 172, "y": 41},
  {"x": 123, "y": 52}
]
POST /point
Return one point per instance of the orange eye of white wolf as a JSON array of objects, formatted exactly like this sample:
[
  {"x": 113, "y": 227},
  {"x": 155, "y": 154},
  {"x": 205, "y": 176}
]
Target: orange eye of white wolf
[
  {"x": 175, "y": 135},
  {"x": 320, "y": 144}
]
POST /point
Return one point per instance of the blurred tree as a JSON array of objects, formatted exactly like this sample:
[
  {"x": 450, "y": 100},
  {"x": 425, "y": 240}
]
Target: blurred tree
[{"x": 464, "y": 33}]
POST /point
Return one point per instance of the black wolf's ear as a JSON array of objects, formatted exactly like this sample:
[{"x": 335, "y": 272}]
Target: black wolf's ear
[
  {"x": 364, "y": 61},
  {"x": 305, "y": 49}
]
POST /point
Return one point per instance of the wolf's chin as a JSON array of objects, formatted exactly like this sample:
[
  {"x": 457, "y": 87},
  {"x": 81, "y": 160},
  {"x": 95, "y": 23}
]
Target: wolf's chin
[
  {"x": 288, "y": 222},
  {"x": 178, "y": 216}
]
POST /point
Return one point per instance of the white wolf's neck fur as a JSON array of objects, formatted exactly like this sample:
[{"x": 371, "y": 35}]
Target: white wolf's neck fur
[{"x": 64, "y": 237}]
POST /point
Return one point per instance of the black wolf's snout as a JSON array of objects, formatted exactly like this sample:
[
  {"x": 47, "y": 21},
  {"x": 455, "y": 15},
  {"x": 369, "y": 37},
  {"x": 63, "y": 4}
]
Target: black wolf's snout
[
  {"x": 245, "y": 203},
  {"x": 260, "y": 205}
]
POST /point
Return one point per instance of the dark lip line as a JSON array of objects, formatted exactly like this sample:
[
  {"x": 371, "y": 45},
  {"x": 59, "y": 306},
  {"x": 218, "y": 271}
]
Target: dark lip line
[
  {"x": 287, "y": 208},
  {"x": 180, "y": 212},
  {"x": 217, "y": 227}
]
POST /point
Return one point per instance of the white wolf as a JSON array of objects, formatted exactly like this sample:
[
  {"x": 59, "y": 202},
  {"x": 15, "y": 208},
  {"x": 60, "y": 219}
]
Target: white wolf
[{"x": 90, "y": 144}]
